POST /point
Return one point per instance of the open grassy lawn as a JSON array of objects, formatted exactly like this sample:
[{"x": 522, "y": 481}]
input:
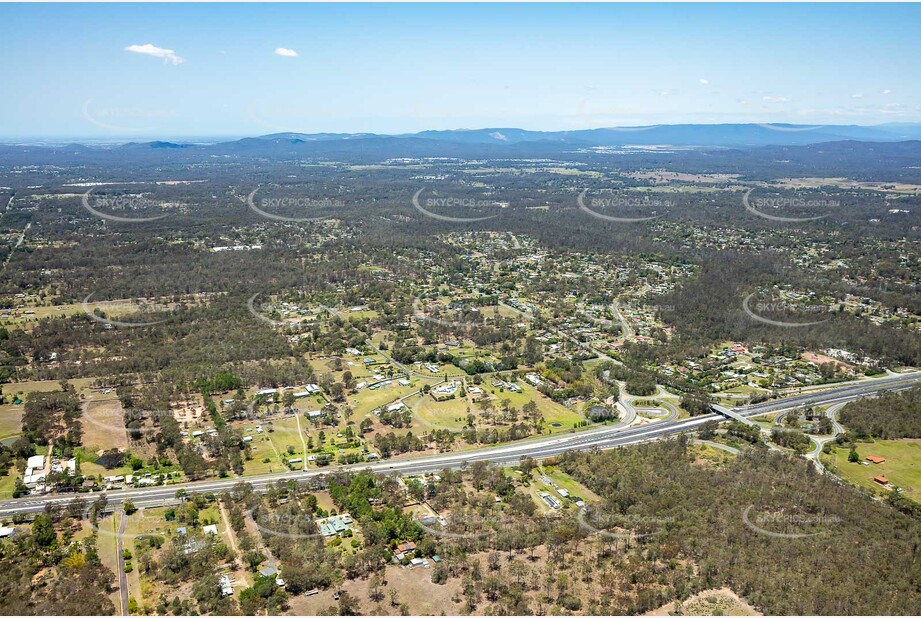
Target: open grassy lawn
[
  {"x": 104, "y": 425},
  {"x": 107, "y": 547},
  {"x": 10, "y": 420},
  {"x": 591, "y": 364},
  {"x": 45, "y": 386},
  {"x": 504, "y": 311},
  {"x": 257, "y": 466},
  {"x": 360, "y": 315},
  {"x": 112, "y": 308},
  {"x": 307, "y": 404},
  {"x": 272, "y": 446},
  {"x": 359, "y": 368},
  {"x": 450, "y": 414},
  {"x": 558, "y": 417},
  {"x": 88, "y": 468},
  {"x": 145, "y": 522},
  {"x": 284, "y": 434},
  {"x": 564, "y": 481},
  {"x": 20, "y": 319},
  {"x": 902, "y": 466},
  {"x": 115, "y": 309},
  {"x": 768, "y": 418},
  {"x": 355, "y": 364},
  {"x": 320, "y": 365},
  {"x": 450, "y": 370},
  {"x": 367, "y": 400},
  {"x": 676, "y": 401},
  {"x": 135, "y": 585},
  {"x": 264, "y": 448},
  {"x": 444, "y": 369},
  {"x": 210, "y": 515},
  {"x": 743, "y": 390},
  {"x": 8, "y": 483},
  {"x": 150, "y": 521}
]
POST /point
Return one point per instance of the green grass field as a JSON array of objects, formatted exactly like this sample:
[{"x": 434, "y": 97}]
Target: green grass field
[
  {"x": 257, "y": 466},
  {"x": 10, "y": 420},
  {"x": 45, "y": 386},
  {"x": 564, "y": 481},
  {"x": 450, "y": 414},
  {"x": 88, "y": 468},
  {"x": 8, "y": 483},
  {"x": 367, "y": 400},
  {"x": 264, "y": 448},
  {"x": 107, "y": 547},
  {"x": 112, "y": 308},
  {"x": 448, "y": 370},
  {"x": 286, "y": 434},
  {"x": 147, "y": 521},
  {"x": 552, "y": 411},
  {"x": 902, "y": 466}
]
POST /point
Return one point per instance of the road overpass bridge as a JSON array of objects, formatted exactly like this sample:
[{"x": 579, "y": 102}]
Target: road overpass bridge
[{"x": 730, "y": 414}]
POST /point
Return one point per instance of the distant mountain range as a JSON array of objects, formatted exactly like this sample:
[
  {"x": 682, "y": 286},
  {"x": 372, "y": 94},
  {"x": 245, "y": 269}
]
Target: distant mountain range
[
  {"x": 850, "y": 147},
  {"x": 731, "y": 135},
  {"x": 685, "y": 135}
]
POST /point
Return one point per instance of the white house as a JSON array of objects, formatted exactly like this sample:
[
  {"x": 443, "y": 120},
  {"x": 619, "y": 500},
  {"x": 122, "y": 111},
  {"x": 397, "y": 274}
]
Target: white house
[{"x": 226, "y": 587}]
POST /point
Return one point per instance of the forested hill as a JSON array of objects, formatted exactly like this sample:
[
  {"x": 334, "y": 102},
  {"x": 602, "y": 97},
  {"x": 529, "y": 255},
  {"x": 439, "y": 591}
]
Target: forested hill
[
  {"x": 887, "y": 417},
  {"x": 860, "y": 557}
]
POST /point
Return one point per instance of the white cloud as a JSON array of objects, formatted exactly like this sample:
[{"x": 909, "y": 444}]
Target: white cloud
[
  {"x": 773, "y": 99},
  {"x": 149, "y": 49},
  {"x": 857, "y": 95},
  {"x": 887, "y": 91},
  {"x": 284, "y": 51},
  {"x": 704, "y": 82}
]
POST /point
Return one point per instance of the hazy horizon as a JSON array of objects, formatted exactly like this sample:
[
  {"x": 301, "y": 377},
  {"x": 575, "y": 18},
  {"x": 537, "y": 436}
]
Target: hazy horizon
[
  {"x": 117, "y": 72},
  {"x": 208, "y": 139}
]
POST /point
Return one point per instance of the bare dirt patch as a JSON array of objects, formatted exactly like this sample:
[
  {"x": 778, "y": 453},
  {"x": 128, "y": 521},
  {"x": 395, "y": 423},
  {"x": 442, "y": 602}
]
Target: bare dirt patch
[
  {"x": 821, "y": 359},
  {"x": 188, "y": 412},
  {"x": 716, "y": 602},
  {"x": 104, "y": 425},
  {"x": 414, "y": 587}
]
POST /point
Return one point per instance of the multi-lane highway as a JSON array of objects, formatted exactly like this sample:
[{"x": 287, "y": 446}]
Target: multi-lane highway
[{"x": 601, "y": 438}]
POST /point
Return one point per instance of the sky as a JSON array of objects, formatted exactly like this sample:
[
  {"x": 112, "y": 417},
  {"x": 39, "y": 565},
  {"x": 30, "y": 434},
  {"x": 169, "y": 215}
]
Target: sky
[{"x": 128, "y": 71}]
